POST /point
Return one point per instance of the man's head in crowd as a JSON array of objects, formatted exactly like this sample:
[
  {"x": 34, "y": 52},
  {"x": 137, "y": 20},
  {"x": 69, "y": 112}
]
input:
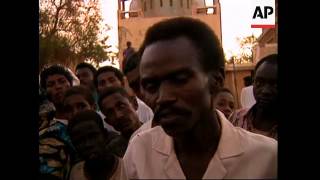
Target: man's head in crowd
[
  {"x": 181, "y": 71},
  {"x": 129, "y": 44},
  {"x": 117, "y": 106},
  {"x": 85, "y": 72},
  {"x": 77, "y": 99},
  {"x": 56, "y": 79},
  {"x": 131, "y": 70},
  {"x": 108, "y": 76},
  {"x": 265, "y": 85},
  {"x": 225, "y": 102},
  {"x": 87, "y": 134}
]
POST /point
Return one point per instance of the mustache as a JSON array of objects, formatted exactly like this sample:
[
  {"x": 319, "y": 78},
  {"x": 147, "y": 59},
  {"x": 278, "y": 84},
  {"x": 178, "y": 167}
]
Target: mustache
[{"x": 162, "y": 111}]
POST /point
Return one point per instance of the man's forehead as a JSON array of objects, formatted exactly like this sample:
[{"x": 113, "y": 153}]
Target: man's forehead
[
  {"x": 55, "y": 77},
  {"x": 107, "y": 74},
  {"x": 83, "y": 70},
  {"x": 86, "y": 126},
  {"x": 267, "y": 70},
  {"x": 74, "y": 98},
  {"x": 165, "y": 57},
  {"x": 112, "y": 99}
]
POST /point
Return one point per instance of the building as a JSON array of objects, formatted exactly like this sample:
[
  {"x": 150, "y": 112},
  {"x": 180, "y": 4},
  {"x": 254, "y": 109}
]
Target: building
[
  {"x": 134, "y": 22},
  {"x": 141, "y": 14}
]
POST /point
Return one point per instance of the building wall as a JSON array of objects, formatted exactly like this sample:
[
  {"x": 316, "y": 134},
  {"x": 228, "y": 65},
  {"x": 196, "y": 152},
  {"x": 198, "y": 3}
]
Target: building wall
[
  {"x": 154, "y": 8},
  {"x": 166, "y": 9},
  {"x": 134, "y": 28},
  {"x": 263, "y": 50},
  {"x": 236, "y": 85}
]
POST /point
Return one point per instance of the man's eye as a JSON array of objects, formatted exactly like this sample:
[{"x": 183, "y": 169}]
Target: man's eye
[
  {"x": 150, "y": 87},
  {"x": 82, "y": 106},
  {"x": 220, "y": 104},
  {"x": 122, "y": 106},
  {"x": 180, "y": 79},
  {"x": 62, "y": 81}
]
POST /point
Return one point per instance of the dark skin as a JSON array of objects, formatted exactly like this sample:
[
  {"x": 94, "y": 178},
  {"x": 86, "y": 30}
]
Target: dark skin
[
  {"x": 56, "y": 86},
  {"x": 225, "y": 103},
  {"x": 89, "y": 140},
  {"x": 109, "y": 79},
  {"x": 86, "y": 77},
  {"x": 76, "y": 103},
  {"x": 134, "y": 81},
  {"x": 266, "y": 94},
  {"x": 120, "y": 113},
  {"x": 181, "y": 94}
]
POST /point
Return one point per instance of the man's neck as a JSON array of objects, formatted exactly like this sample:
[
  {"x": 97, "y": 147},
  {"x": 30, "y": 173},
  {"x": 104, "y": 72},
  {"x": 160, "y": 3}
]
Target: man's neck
[
  {"x": 129, "y": 134},
  {"x": 203, "y": 138},
  {"x": 195, "y": 150},
  {"x": 265, "y": 118}
]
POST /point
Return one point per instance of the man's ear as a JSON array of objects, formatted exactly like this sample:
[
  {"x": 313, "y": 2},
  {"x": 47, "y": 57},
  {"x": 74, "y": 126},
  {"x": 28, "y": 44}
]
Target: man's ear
[
  {"x": 134, "y": 102},
  {"x": 216, "y": 80}
]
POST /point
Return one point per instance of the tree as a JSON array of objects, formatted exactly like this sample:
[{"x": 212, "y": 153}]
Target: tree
[
  {"x": 245, "y": 54},
  {"x": 71, "y": 31}
]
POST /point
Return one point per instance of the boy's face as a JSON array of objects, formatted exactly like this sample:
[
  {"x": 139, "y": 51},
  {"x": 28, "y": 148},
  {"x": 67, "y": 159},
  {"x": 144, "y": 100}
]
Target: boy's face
[
  {"x": 56, "y": 86},
  {"x": 88, "y": 139},
  {"x": 76, "y": 103},
  {"x": 85, "y": 76}
]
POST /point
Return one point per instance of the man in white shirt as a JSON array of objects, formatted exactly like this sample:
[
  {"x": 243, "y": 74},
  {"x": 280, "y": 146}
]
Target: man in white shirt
[{"x": 192, "y": 141}]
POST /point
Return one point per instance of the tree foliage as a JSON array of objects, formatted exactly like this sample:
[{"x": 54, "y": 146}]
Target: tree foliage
[
  {"x": 71, "y": 31},
  {"x": 245, "y": 55}
]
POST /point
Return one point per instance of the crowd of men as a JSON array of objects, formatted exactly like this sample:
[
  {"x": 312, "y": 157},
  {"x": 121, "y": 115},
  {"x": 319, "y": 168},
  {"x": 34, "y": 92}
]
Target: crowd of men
[{"x": 167, "y": 115}]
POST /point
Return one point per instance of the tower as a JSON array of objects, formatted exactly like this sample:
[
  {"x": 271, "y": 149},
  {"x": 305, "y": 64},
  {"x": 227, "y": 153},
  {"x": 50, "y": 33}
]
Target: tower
[{"x": 141, "y": 14}]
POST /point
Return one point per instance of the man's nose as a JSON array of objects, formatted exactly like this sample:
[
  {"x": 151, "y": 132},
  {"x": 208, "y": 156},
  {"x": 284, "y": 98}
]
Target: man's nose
[{"x": 166, "y": 94}]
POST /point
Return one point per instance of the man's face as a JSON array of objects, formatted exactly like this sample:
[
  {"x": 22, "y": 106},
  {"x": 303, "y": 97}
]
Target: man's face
[
  {"x": 174, "y": 83},
  {"x": 265, "y": 85},
  {"x": 57, "y": 85},
  {"x": 134, "y": 81},
  {"x": 107, "y": 79},
  {"x": 76, "y": 103},
  {"x": 120, "y": 113},
  {"x": 225, "y": 103},
  {"x": 85, "y": 76},
  {"x": 88, "y": 139}
]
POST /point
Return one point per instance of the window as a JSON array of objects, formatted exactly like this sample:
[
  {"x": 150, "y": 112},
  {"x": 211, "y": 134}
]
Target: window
[
  {"x": 161, "y": 3},
  {"x": 171, "y": 2},
  {"x": 145, "y": 6}
]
